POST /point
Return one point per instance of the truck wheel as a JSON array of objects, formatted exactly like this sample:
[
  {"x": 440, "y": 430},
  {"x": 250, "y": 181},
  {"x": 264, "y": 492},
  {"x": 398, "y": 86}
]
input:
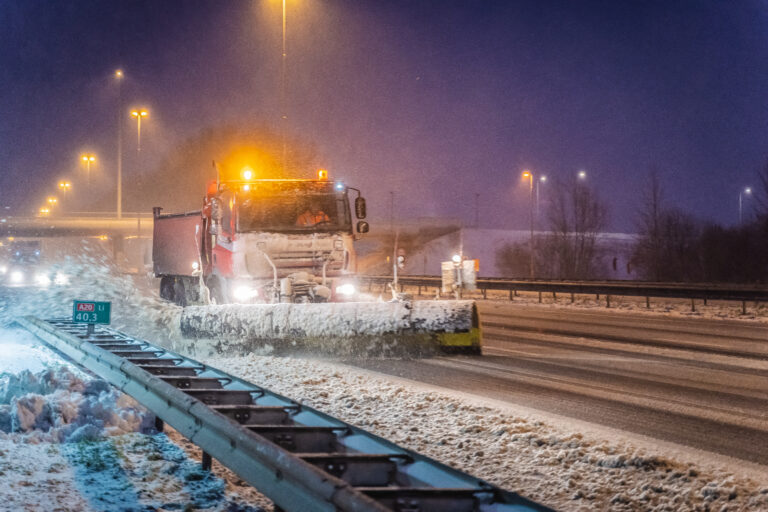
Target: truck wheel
[
  {"x": 217, "y": 294},
  {"x": 179, "y": 293},
  {"x": 166, "y": 288}
]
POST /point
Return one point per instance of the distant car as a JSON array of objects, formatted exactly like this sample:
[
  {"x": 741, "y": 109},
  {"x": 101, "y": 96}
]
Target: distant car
[{"x": 23, "y": 267}]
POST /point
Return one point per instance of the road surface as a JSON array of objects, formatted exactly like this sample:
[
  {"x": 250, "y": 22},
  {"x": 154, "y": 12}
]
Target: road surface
[{"x": 696, "y": 382}]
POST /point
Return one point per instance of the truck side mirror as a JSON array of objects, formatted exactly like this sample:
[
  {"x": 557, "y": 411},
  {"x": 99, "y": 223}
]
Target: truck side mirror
[
  {"x": 362, "y": 226},
  {"x": 360, "y": 209}
]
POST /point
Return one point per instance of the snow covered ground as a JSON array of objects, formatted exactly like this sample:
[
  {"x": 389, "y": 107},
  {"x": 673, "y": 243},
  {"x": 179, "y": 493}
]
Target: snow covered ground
[
  {"x": 561, "y": 462},
  {"x": 69, "y": 441},
  {"x": 519, "y": 450}
]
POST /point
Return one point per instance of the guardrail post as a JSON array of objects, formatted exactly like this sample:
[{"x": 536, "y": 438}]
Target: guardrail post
[
  {"x": 485, "y": 291},
  {"x": 607, "y": 301},
  {"x": 597, "y": 297},
  {"x": 554, "y": 296},
  {"x": 207, "y": 461},
  {"x": 539, "y": 297},
  {"x": 159, "y": 424},
  {"x": 573, "y": 297},
  {"x": 693, "y": 305},
  {"x": 419, "y": 290},
  {"x": 705, "y": 301},
  {"x": 743, "y": 307},
  {"x": 511, "y": 294},
  {"x": 647, "y": 303}
]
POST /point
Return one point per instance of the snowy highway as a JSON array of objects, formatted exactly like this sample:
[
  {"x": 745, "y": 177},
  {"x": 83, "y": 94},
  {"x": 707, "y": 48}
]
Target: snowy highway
[{"x": 696, "y": 382}]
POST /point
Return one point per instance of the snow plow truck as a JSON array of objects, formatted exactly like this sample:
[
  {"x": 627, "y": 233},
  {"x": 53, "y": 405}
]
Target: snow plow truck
[{"x": 273, "y": 259}]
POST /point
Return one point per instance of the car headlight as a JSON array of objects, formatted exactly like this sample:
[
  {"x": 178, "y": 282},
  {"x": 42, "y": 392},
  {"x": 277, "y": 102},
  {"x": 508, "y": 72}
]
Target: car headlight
[
  {"x": 17, "y": 276},
  {"x": 42, "y": 279},
  {"x": 346, "y": 289},
  {"x": 3, "y": 269}
]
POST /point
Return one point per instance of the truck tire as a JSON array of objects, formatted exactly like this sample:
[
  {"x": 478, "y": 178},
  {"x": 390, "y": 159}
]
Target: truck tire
[
  {"x": 166, "y": 288},
  {"x": 216, "y": 291},
  {"x": 179, "y": 292}
]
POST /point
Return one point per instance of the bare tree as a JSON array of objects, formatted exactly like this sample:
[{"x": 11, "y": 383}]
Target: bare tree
[
  {"x": 576, "y": 216},
  {"x": 647, "y": 252},
  {"x": 667, "y": 238}
]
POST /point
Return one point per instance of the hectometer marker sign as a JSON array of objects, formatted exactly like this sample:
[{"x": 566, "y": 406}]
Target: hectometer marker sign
[{"x": 91, "y": 312}]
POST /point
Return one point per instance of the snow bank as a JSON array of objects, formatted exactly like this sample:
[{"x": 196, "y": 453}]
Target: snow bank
[
  {"x": 57, "y": 405},
  {"x": 564, "y": 469}
]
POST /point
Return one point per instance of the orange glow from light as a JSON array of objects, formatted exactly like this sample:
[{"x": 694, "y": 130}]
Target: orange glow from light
[
  {"x": 246, "y": 188},
  {"x": 322, "y": 174},
  {"x": 247, "y": 173},
  {"x": 52, "y": 200},
  {"x": 44, "y": 211},
  {"x": 526, "y": 174}
]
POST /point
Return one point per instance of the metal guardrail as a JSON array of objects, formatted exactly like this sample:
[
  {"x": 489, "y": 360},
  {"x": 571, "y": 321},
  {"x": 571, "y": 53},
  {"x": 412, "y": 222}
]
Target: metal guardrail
[
  {"x": 300, "y": 458},
  {"x": 702, "y": 291}
]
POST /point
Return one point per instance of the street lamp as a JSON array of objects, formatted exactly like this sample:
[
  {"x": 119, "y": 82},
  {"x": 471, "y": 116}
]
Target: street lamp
[
  {"x": 542, "y": 179},
  {"x": 119, "y": 78},
  {"x": 283, "y": 114},
  {"x": 52, "y": 201},
  {"x": 528, "y": 175},
  {"x": 88, "y": 159},
  {"x": 746, "y": 191},
  {"x": 138, "y": 114},
  {"x": 582, "y": 175}
]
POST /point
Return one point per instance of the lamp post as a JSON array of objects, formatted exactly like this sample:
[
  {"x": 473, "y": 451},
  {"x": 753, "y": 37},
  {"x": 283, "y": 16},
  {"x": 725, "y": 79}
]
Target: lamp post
[
  {"x": 119, "y": 78},
  {"x": 582, "y": 175},
  {"x": 88, "y": 159},
  {"x": 283, "y": 113},
  {"x": 138, "y": 114},
  {"x": 542, "y": 179},
  {"x": 747, "y": 191},
  {"x": 528, "y": 175},
  {"x": 64, "y": 186}
]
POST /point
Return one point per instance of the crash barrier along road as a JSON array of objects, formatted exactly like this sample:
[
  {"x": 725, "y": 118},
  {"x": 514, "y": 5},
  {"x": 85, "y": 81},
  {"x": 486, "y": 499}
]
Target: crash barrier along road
[
  {"x": 298, "y": 457},
  {"x": 693, "y": 291}
]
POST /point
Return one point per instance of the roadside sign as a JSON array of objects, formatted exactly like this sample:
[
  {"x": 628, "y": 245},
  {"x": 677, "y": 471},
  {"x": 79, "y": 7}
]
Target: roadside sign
[{"x": 91, "y": 312}]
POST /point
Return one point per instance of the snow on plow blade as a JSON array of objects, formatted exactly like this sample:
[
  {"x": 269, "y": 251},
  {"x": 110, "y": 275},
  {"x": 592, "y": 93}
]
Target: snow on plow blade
[{"x": 448, "y": 324}]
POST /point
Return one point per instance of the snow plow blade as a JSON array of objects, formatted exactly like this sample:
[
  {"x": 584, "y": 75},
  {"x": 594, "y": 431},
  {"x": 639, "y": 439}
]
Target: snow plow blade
[{"x": 450, "y": 325}]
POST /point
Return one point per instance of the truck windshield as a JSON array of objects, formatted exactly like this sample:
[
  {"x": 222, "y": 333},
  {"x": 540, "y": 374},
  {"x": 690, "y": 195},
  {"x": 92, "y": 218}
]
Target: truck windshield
[{"x": 327, "y": 211}]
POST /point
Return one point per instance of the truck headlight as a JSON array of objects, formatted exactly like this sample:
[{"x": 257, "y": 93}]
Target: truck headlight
[
  {"x": 17, "y": 276},
  {"x": 244, "y": 293},
  {"x": 346, "y": 289}
]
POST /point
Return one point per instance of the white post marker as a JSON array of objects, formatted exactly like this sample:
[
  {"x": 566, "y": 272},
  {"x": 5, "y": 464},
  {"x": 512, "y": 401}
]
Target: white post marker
[{"x": 91, "y": 312}]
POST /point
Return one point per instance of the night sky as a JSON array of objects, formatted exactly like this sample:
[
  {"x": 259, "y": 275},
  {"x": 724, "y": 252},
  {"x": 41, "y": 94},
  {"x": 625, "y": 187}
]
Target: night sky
[{"x": 436, "y": 100}]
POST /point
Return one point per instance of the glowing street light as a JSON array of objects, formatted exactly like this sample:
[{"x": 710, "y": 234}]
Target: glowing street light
[
  {"x": 138, "y": 114},
  {"x": 582, "y": 175},
  {"x": 747, "y": 191},
  {"x": 119, "y": 79},
  {"x": 44, "y": 211},
  {"x": 88, "y": 159},
  {"x": 52, "y": 201},
  {"x": 528, "y": 175},
  {"x": 64, "y": 186}
]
